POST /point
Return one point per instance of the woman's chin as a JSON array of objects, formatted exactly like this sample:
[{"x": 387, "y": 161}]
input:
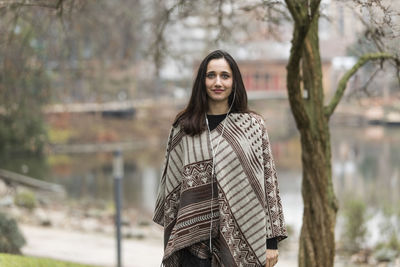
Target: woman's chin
[{"x": 218, "y": 98}]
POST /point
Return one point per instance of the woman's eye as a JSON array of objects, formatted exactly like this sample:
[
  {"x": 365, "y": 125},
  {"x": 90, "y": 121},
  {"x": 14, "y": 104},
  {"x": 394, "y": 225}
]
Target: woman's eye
[
  {"x": 225, "y": 76},
  {"x": 210, "y": 75}
]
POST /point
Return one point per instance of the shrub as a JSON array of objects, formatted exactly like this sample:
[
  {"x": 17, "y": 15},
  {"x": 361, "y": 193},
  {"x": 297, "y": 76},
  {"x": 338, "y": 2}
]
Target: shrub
[
  {"x": 389, "y": 236},
  {"x": 11, "y": 239},
  {"x": 26, "y": 199},
  {"x": 355, "y": 225}
]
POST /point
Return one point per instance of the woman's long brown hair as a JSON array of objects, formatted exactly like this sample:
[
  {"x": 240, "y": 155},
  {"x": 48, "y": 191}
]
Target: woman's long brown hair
[{"x": 192, "y": 119}]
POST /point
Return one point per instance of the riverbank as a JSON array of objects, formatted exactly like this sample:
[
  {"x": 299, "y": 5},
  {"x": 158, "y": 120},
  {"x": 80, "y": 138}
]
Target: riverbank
[{"x": 91, "y": 132}]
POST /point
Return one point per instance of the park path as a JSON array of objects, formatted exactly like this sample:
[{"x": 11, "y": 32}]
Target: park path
[
  {"x": 99, "y": 249},
  {"x": 89, "y": 248}
]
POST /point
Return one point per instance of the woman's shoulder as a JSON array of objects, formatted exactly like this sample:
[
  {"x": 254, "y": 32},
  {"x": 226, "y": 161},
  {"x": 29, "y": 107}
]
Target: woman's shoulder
[{"x": 176, "y": 128}]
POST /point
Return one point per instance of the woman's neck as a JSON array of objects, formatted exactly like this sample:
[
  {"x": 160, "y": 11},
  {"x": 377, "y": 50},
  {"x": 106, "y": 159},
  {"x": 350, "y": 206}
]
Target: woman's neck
[{"x": 217, "y": 108}]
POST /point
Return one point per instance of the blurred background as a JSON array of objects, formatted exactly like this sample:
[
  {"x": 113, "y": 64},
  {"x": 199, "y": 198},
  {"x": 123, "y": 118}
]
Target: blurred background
[{"x": 81, "y": 79}]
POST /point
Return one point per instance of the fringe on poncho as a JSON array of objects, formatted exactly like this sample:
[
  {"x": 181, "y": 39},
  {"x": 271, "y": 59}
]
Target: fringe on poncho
[{"x": 246, "y": 204}]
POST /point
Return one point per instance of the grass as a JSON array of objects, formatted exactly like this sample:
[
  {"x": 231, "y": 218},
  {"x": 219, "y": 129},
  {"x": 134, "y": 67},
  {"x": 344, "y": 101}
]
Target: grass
[{"x": 9, "y": 260}]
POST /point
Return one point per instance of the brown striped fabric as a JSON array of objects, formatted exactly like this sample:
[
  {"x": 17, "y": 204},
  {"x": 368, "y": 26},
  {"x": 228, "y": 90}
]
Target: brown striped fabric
[{"x": 246, "y": 206}]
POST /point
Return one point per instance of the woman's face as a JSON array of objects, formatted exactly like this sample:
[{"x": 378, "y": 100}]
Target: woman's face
[{"x": 219, "y": 81}]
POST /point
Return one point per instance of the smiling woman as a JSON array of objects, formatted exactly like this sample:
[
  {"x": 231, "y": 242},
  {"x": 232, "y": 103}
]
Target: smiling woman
[{"x": 218, "y": 198}]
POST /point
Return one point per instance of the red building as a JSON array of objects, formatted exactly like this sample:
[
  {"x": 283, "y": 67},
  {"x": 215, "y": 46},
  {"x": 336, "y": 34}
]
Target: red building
[{"x": 267, "y": 78}]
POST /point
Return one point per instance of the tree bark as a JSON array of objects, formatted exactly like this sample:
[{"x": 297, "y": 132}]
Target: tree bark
[{"x": 317, "y": 239}]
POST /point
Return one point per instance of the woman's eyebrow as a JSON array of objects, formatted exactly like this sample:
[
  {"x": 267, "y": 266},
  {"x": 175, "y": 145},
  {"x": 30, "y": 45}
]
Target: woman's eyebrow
[{"x": 213, "y": 71}]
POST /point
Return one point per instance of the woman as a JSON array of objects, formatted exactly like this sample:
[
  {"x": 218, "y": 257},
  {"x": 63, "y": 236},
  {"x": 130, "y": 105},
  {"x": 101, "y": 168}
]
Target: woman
[{"x": 218, "y": 197}]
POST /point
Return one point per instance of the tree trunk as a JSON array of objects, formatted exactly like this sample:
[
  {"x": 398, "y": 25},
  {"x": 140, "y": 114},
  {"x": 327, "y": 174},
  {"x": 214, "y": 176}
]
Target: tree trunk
[
  {"x": 306, "y": 98},
  {"x": 317, "y": 239}
]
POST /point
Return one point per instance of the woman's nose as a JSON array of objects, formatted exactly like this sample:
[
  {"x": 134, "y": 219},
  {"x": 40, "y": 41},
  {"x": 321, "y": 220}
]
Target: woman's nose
[{"x": 218, "y": 81}]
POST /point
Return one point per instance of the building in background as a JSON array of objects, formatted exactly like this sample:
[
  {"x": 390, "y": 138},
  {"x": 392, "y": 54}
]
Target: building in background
[{"x": 267, "y": 78}]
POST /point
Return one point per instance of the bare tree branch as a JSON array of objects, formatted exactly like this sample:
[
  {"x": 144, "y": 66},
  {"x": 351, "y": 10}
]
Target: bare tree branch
[
  {"x": 330, "y": 108},
  {"x": 270, "y": 7},
  {"x": 38, "y": 3},
  {"x": 274, "y": 13},
  {"x": 220, "y": 15},
  {"x": 159, "y": 46},
  {"x": 364, "y": 87}
]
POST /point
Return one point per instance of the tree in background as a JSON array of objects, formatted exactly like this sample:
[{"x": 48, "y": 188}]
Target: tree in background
[
  {"x": 381, "y": 33},
  {"x": 63, "y": 51},
  {"x": 306, "y": 97},
  {"x": 24, "y": 84}
]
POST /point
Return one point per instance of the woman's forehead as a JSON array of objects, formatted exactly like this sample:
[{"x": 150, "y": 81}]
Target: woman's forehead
[{"x": 219, "y": 65}]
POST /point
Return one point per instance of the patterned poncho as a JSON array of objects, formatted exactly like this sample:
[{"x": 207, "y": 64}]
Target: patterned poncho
[{"x": 246, "y": 204}]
